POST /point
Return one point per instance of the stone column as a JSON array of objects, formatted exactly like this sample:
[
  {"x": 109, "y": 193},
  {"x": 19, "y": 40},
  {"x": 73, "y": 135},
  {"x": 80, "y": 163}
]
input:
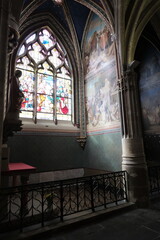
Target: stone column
[
  {"x": 9, "y": 40},
  {"x": 133, "y": 157},
  {"x": 4, "y": 19}
]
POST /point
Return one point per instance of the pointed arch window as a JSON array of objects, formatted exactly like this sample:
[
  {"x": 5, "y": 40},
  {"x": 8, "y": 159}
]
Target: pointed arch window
[{"x": 46, "y": 80}]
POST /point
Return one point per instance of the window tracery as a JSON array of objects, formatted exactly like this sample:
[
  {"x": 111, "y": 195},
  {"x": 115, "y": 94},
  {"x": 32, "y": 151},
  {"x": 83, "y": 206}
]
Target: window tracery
[{"x": 46, "y": 80}]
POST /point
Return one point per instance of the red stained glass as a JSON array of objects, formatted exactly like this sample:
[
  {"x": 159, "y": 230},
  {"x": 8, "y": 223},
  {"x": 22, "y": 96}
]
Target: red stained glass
[
  {"x": 45, "y": 76},
  {"x": 27, "y": 103}
]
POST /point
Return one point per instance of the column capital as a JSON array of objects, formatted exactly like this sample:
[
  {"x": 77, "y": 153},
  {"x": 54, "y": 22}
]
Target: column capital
[
  {"x": 128, "y": 75},
  {"x": 13, "y": 36}
]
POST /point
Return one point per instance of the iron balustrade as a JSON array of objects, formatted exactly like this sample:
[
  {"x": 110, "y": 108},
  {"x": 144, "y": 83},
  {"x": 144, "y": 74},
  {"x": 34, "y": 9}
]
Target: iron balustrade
[
  {"x": 154, "y": 179},
  {"x": 50, "y": 202}
]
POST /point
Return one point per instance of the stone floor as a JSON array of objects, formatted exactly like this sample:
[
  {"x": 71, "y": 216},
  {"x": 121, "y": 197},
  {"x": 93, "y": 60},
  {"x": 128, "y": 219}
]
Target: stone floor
[
  {"x": 136, "y": 224},
  {"x": 126, "y": 224}
]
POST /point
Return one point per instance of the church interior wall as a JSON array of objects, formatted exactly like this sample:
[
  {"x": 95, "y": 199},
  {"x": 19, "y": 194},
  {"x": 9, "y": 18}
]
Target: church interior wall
[
  {"x": 46, "y": 152},
  {"x": 103, "y": 152},
  {"x": 52, "y": 152},
  {"x": 102, "y": 104},
  {"x": 149, "y": 87}
]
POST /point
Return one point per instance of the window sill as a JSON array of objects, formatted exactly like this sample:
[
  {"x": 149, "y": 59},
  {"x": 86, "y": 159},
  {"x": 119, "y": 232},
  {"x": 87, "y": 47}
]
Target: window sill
[{"x": 48, "y": 126}]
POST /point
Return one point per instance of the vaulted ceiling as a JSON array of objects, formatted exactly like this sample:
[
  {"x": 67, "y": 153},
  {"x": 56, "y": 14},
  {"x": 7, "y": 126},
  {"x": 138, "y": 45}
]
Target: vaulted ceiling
[
  {"x": 127, "y": 18},
  {"x": 71, "y": 13}
]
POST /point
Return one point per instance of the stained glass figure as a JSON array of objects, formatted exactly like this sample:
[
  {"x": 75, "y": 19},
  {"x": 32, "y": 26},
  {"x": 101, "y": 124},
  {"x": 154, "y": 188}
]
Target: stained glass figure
[
  {"x": 27, "y": 104},
  {"x": 64, "y": 88},
  {"x": 46, "y": 78},
  {"x": 27, "y": 81},
  {"x": 45, "y": 84}
]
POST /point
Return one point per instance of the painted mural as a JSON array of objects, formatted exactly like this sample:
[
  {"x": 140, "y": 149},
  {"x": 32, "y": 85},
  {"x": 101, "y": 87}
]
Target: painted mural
[
  {"x": 149, "y": 85},
  {"x": 100, "y": 77}
]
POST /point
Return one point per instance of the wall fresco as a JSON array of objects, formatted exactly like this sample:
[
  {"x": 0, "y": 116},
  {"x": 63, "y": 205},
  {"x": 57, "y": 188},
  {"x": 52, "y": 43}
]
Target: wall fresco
[
  {"x": 100, "y": 77},
  {"x": 149, "y": 85}
]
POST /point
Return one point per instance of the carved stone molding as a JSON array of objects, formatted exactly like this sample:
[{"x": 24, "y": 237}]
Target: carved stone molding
[
  {"x": 129, "y": 76},
  {"x": 96, "y": 8},
  {"x": 82, "y": 141},
  {"x": 121, "y": 85},
  {"x": 13, "y": 36}
]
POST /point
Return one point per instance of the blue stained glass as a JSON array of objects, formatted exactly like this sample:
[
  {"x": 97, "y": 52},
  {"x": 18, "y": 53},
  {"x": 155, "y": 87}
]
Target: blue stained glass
[
  {"x": 39, "y": 65},
  {"x": 50, "y": 99},
  {"x": 27, "y": 103},
  {"x": 45, "y": 42},
  {"x": 63, "y": 88}
]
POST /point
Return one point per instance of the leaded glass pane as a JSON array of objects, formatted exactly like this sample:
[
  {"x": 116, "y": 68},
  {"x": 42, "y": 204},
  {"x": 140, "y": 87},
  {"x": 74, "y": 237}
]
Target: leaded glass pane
[
  {"x": 40, "y": 58},
  {"x": 45, "y": 68},
  {"x": 45, "y": 84},
  {"x": 27, "y": 103},
  {"x": 46, "y": 39},
  {"x": 66, "y": 63},
  {"x": 44, "y": 103},
  {"x": 31, "y": 38},
  {"x": 27, "y": 81},
  {"x": 22, "y": 50},
  {"x": 63, "y": 105},
  {"x": 44, "y": 116},
  {"x": 64, "y": 117},
  {"x": 35, "y": 52},
  {"x": 59, "y": 47},
  {"x": 63, "y": 88},
  {"x": 25, "y": 63},
  {"x": 25, "y": 114},
  {"x": 55, "y": 58},
  {"x": 63, "y": 73}
]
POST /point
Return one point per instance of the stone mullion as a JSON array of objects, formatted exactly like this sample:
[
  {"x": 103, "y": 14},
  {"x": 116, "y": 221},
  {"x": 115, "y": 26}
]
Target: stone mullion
[{"x": 4, "y": 20}]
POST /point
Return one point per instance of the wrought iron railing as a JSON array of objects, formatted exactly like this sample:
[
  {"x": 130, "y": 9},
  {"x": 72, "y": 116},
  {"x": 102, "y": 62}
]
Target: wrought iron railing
[
  {"x": 50, "y": 202},
  {"x": 154, "y": 179}
]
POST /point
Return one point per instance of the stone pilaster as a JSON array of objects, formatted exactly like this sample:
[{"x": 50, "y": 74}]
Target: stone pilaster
[
  {"x": 4, "y": 20},
  {"x": 133, "y": 157}
]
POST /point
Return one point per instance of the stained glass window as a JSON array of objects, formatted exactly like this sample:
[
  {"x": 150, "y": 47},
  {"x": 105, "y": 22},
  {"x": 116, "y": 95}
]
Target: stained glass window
[{"x": 46, "y": 78}]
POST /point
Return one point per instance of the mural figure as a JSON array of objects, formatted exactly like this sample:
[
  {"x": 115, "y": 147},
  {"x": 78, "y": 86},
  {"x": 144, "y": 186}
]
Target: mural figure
[{"x": 102, "y": 105}]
